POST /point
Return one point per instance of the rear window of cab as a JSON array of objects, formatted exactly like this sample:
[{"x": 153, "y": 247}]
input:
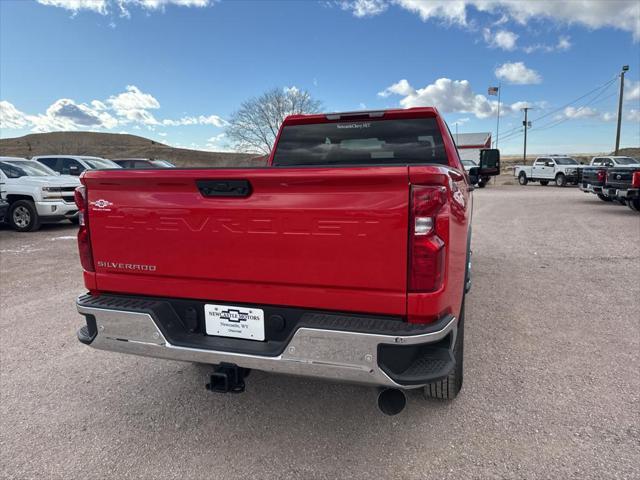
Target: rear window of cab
[{"x": 362, "y": 142}]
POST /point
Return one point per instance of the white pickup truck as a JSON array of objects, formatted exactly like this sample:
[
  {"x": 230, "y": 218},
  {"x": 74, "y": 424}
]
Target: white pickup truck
[
  {"x": 36, "y": 194},
  {"x": 4, "y": 205},
  {"x": 551, "y": 168}
]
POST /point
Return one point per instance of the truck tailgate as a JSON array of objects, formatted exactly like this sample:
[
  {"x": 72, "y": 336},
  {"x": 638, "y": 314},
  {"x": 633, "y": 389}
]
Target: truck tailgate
[{"x": 327, "y": 238}]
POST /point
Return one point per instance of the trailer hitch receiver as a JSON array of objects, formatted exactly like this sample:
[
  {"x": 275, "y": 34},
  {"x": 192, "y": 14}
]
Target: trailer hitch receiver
[{"x": 228, "y": 378}]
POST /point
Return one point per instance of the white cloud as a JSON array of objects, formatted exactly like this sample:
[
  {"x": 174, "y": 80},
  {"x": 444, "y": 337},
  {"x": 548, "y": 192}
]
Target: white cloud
[
  {"x": 517, "y": 73},
  {"x": 105, "y": 7},
  {"x": 214, "y": 120},
  {"x": 63, "y": 114},
  {"x": 563, "y": 44},
  {"x": 11, "y": 117},
  {"x": 448, "y": 96},
  {"x": 399, "y": 88},
  {"x": 579, "y": 112},
  {"x": 98, "y": 6},
  {"x": 631, "y": 91},
  {"x": 503, "y": 39},
  {"x": 365, "y": 8},
  {"x": 133, "y": 107},
  {"x": 98, "y": 105},
  {"x": 633, "y": 115},
  {"x": 630, "y": 115},
  {"x": 618, "y": 14}
]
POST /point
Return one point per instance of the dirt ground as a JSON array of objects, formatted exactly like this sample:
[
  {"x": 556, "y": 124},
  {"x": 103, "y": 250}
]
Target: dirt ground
[{"x": 551, "y": 389}]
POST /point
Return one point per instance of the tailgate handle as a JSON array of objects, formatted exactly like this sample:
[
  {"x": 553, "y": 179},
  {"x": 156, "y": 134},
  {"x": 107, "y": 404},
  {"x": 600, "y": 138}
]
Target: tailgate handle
[{"x": 224, "y": 188}]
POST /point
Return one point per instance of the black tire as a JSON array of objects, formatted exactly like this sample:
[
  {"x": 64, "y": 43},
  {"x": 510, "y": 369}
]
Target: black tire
[
  {"x": 448, "y": 388},
  {"x": 634, "y": 205},
  {"x": 23, "y": 216},
  {"x": 561, "y": 180},
  {"x": 604, "y": 198},
  {"x": 522, "y": 178},
  {"x": 75, "y": 220},
  {"x": 544, "y": 182},
  {"x": 481, "y": 184}
]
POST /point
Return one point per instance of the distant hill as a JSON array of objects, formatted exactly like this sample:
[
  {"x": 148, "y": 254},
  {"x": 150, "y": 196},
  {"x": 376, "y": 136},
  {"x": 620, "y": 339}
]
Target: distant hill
[{"x": 119, "y": 145}]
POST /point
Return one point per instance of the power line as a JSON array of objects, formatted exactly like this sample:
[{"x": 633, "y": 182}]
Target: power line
[
  {"x": 516, "y": 130},
  {"x": 553, "y": 123}
]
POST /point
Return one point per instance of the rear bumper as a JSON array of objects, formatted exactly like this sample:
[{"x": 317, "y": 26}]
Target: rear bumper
[
  {"x": 590, "y": 188},
  {"x": 375, "y": 352},
  {"x": 629, "y": 193}
]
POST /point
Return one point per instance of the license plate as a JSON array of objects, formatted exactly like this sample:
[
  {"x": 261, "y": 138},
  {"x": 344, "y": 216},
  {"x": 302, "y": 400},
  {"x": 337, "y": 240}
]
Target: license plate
[{"x": 234, "y": 321}]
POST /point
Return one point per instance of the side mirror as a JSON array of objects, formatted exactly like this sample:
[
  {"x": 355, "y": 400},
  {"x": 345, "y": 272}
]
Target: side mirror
[
  {"x": 489, "y": 162},
  {"x": 74, "y": 170}
]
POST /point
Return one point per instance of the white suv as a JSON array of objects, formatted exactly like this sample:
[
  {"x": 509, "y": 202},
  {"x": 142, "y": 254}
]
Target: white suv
[
  {"x": 36, "y": 194},
  {"x": 74, "y": 164}
]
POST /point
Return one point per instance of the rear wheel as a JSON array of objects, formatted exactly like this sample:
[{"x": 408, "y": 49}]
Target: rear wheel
[
  {"x": 481, "y": 184},
  {"x": 604, "y": 198},
  {"x": 449, "y": 387},
  {"x": 522, "y": 178},
  {"x": 634, "y": 204},
  {"x": 544, "y": 182},
  {"x": 561, "y": 180},
  {"x": 23, "y": 216}
]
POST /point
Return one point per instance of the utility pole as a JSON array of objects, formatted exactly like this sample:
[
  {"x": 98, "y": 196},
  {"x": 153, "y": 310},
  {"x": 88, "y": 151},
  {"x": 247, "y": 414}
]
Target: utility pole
[
  {"x": 498, "y": 120},
  {"x": 526, "y": 125},
  {"x": 625, "y": 68}
]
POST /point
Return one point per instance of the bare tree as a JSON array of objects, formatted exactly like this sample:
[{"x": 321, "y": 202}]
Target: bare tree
[{"x": 253, "y": 128}]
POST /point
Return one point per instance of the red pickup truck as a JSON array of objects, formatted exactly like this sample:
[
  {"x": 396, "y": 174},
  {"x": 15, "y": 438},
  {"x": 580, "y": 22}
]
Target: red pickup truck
[{"x": 346, "y": 258}]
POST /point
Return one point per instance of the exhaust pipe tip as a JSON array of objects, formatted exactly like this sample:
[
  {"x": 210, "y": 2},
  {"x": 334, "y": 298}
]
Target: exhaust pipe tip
[{"x": 391, "y": 401}]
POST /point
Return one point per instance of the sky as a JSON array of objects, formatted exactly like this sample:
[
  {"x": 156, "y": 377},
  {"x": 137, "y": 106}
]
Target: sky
[{"x": 175, "y": 70}]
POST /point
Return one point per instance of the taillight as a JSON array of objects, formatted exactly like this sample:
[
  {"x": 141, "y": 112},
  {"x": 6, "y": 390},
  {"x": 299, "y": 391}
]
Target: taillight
[
  {"x": 635, "y": 182},
  {"x": 601, "y": 175},
  {"x": 84, "y": 240},
  {"x": 428, "y": 236}
]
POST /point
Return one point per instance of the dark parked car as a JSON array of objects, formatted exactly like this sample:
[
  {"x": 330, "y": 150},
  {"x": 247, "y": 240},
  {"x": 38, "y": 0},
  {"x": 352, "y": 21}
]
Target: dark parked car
[
  {"x": 74, "y": 164},
  {"x": 144, "y": 163}
]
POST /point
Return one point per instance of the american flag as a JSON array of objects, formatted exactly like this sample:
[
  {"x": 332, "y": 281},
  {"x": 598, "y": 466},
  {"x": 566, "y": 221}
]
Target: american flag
[{"x": 492, "y": 91}]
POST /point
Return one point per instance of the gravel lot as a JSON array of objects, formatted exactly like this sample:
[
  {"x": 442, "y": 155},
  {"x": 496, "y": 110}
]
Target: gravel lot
[{"x": 551, "y": 389}]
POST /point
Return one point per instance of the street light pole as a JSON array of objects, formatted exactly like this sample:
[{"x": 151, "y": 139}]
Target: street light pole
[{"x": 625, "y": 68}]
